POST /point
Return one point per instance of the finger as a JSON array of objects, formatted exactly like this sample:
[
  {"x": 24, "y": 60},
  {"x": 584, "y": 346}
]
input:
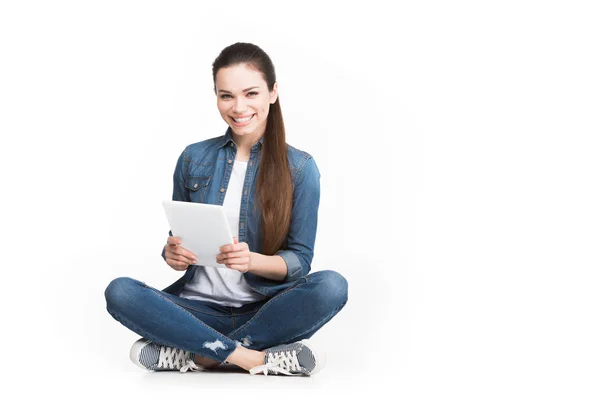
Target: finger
[
  {"x": 238, "y": 260},
  {"x": 184, "y": 258},
  {"x": 173, "y": 240},
  {"x": 233, "y": 247},
  {"x": 180, "y": 251},
  {"x": 179, "y": 266},
  {"x": 190, "y": 255},
  {"x": 235, "y": 240},
  {"x": 233, "y": 254}
]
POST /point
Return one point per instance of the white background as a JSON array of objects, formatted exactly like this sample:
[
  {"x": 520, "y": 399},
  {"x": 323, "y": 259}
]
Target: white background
[{"x": 458, "y": 148}]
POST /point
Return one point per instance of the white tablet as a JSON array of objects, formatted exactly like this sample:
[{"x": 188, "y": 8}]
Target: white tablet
[{"x": 202, "y": 228}]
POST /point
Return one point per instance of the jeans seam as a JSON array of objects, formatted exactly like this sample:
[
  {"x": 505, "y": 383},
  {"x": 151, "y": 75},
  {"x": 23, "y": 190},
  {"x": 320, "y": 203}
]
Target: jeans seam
[
  {"x": 261, "y": 310},
  {"x": 192, "y": 315},
  {"x": 139, "y": 330},
  {"x": 248, "y": 312},
  {"x": 188, "y": 307},
  {"x": 321, "y": 323}
]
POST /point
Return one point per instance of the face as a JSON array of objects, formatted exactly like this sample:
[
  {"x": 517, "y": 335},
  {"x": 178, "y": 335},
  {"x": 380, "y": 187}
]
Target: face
[{"x": 243, "y": 99}]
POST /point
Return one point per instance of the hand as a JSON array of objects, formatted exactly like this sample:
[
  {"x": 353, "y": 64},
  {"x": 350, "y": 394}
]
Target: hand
[
  {"x": 176, "y": 256},
  {"x": 236, "y": 256}
]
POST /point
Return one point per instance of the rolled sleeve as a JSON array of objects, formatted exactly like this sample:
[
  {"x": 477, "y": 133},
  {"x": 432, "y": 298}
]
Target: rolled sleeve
[
  {"x": 299, "y": 251},
  {"x": 294, "y": 266}
]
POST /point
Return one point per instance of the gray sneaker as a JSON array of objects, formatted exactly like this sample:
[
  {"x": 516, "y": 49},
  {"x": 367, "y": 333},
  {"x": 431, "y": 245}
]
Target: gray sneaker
[
  {"x": 298, "y": 358},
  {"x": 154, "y": 357}
]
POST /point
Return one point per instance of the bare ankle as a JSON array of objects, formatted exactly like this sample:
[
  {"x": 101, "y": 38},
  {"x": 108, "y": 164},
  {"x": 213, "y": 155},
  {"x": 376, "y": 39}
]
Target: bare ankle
[
  {"x": 246, "y": 358},
  {"x": 206, "y": 362}
]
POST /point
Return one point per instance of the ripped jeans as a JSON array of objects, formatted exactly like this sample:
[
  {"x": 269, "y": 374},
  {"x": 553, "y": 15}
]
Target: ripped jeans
[{"x": 214, "y": 331}]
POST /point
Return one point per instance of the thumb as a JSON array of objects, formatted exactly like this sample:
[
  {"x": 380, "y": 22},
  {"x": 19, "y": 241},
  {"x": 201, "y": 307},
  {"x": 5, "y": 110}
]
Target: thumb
[{"x": 235, "y": 240}]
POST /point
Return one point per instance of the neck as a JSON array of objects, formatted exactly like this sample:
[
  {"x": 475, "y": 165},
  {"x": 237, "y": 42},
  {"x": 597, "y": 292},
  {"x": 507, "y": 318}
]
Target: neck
[{"x": 245, "y": 142}]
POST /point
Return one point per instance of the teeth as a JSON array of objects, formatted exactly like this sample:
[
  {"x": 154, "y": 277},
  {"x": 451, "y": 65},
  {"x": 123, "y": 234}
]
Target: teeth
[{"x": 242, "y": 120}]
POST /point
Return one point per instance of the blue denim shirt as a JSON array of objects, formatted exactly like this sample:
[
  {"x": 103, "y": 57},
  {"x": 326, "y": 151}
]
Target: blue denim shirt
[{"x": 202, "y": 174}]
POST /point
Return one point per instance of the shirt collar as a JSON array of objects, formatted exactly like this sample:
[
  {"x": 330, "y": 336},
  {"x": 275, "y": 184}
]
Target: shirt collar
[{"x": 228, "y": 138}]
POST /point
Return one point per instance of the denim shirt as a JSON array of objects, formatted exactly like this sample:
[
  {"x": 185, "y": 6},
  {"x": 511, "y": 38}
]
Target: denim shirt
[{"x": 202, "y": 174}]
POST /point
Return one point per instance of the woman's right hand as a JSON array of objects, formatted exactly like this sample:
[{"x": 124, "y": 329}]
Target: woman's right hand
[{"x": 176, "y": 256}]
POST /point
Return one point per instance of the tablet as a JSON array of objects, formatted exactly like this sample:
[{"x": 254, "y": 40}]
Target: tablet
[{"x": 202, "y": 228}]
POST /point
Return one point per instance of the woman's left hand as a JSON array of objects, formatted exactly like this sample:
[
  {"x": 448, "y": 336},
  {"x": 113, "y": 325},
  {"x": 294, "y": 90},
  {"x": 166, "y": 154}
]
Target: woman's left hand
[{"x": 236, "y": 256}]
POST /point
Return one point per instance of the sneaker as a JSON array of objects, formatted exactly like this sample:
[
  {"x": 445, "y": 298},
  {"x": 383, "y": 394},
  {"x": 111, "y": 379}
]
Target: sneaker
[
  {"x": 154, "y": 357},
  {"x": 298, "y": 358}
]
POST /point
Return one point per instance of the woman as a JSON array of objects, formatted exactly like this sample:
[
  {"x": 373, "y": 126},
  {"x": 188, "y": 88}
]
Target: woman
[{"x": 256, "y": 312}]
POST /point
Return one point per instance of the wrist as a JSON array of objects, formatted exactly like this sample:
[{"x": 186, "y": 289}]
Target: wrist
[{"x": 253, "y": 256}]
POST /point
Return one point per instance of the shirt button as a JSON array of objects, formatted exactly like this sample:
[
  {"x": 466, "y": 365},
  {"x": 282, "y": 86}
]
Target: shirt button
[
  {"x": 242, "y": 224},
  {"x": 229, "y": 161},
  {"x": 195, "y": 185},
  {"x": 250, "y": 162},
  {"x": 246, "y": 191},
  {"x": 231, "y": 144},
  {"x": 222, "y": 190}
]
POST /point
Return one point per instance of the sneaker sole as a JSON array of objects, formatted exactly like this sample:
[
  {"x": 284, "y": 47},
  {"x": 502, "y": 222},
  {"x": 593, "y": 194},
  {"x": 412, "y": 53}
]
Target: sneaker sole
[
  {"x": 320, "y": 357},
  {"x": 134, "y": 353}
]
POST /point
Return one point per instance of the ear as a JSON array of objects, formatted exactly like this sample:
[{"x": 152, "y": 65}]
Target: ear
[{"x": 274, "y": 93}]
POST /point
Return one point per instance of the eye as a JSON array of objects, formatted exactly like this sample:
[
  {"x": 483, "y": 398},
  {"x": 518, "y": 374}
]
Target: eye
[
  {"x": 252, "y": 93},
  {"x": 223, "y": 96}
]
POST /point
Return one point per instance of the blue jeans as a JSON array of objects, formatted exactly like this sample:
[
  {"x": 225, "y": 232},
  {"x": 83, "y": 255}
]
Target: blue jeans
[{"x": 215, "y": 331}]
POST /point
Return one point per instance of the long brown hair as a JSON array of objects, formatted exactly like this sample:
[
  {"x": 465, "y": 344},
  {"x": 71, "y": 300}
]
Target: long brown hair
[{"x": 274, "y": 183}]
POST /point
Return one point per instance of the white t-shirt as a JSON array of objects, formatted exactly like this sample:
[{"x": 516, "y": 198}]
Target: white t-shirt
[{"x": 224, "y": 286}]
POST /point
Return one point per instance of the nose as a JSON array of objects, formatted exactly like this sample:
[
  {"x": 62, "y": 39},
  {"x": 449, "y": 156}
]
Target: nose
[{"x": 239, "y": 106}]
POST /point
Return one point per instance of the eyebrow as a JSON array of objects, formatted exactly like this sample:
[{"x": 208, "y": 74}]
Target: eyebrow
[{"x": 245, "y": 90}]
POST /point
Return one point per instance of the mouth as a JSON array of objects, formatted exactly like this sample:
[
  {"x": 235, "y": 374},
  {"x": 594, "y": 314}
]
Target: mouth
[{"x": 242, "y": 121}]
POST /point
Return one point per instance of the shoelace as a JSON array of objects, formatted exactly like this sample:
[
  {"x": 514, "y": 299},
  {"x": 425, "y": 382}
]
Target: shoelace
[
  {"x": 284, "y": 362},
  {"x": 176, "y": 358}
]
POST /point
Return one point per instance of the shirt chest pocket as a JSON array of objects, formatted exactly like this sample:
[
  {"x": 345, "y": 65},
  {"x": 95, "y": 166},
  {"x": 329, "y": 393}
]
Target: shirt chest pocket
[{"x": 197, "y": 187}]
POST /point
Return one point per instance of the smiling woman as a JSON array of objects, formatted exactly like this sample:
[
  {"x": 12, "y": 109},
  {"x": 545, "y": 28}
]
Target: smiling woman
[
  {"x": 246, "y": 99},
  {"x": 256, "y": 312},
  {"x": 248, "y": 109}
]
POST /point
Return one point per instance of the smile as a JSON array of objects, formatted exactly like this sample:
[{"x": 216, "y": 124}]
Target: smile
[{"x": 242, "y": 121}]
